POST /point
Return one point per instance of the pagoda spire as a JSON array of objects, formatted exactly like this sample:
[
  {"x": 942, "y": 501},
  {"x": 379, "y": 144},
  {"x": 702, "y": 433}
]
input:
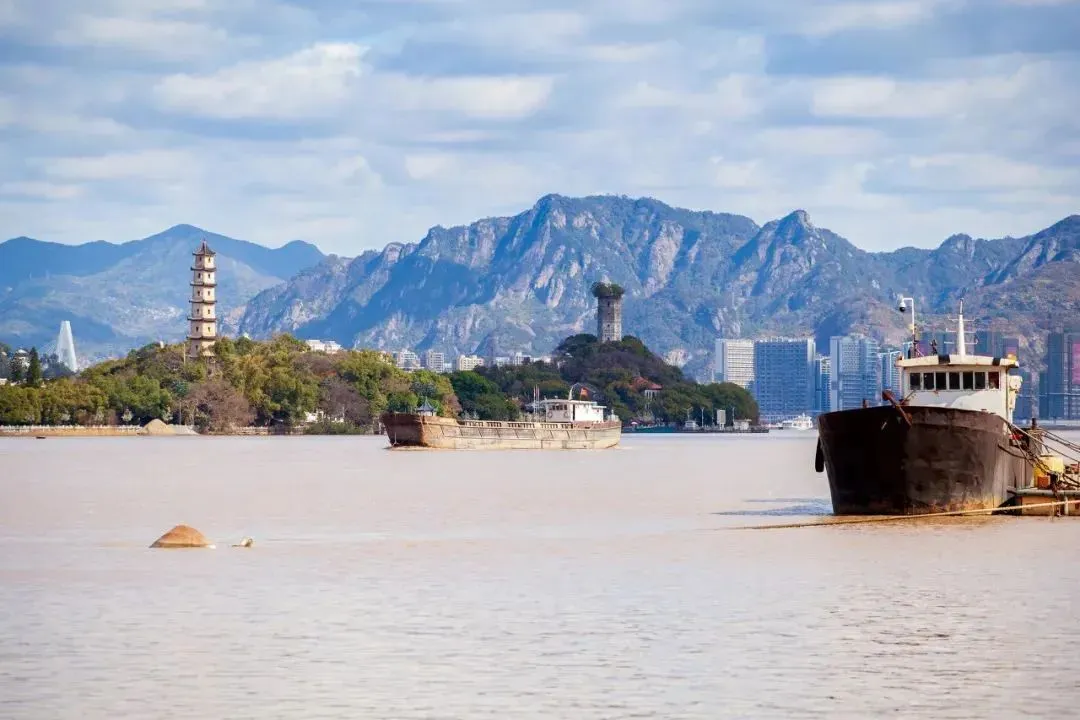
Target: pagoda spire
[{"x": 202, "y": 320}]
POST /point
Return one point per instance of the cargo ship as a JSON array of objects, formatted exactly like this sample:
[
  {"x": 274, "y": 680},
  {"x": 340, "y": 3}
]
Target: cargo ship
[
  {"x": 554, "y": 424},
  {"x": 947, "y": 444}
]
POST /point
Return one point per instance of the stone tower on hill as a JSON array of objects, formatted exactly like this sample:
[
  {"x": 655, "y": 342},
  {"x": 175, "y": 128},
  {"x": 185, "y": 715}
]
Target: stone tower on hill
[
  {"x": 608, "y": 311},
  {"x": 202, "y": 320}
]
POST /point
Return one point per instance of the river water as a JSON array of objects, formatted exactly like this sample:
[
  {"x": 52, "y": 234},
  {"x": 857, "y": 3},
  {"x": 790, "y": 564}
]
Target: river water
[{"x": 610, "y": 584}]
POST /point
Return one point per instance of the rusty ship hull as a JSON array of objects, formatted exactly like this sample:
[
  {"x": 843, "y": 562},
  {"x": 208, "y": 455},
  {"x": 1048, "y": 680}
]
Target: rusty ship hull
[
  {"x": 407, "y": 430},
  {"x": 884, "y": 461}
]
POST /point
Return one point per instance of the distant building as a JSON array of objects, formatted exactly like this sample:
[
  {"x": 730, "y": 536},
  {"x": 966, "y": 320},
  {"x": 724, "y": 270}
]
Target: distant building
[
  {"x": 608, "y": 311},
  {"x": 783, "y": 382},
  {"x": 822, "y": 375},
  {"x": 1027, "y": 401},
  {"x": 468, "y": 362},
  {"x": 329, "y": 347},
  {"x": 853, "y": 366},
  {"x": 734, "y": 362},
  {"x": 202, "y": 320},
  {"x": 433, "y": 360},
  {"x": 1059, "y": 385},
  {"x": 889, "y": 374},
  {"x": 407, "y": 360},
  {"x": 65, "y": 347},
  {"x": 996, "y": 344}
]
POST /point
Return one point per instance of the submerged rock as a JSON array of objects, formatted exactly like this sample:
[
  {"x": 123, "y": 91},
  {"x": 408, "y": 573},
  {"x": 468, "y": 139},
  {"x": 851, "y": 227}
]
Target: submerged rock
[
  {"x": 245, "y": 543},
  {"x": 182, "y": 536}
]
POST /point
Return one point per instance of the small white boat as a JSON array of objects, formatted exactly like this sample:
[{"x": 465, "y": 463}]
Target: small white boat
[{"x": 799, "y": 422}]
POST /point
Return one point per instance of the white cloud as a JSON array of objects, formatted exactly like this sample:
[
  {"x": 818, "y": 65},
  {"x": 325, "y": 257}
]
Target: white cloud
[
  {"x": 310, "y": 83},
  {"x": 151, "y": 36},
  {"x": 732, "y": 96},
  {"x": 829, "y": 141},
  {"x": 731, "y": 175},
  {"x": 886, "y": 97},
  {"x": 494, "y": 98},
  {"x": 41, "y": 190},
  {"x": 355, "y": 124},
  {"x": 153, "y": 164},
  {"x": 951, "y": 171},
  {"x": 838, "y": 17}
]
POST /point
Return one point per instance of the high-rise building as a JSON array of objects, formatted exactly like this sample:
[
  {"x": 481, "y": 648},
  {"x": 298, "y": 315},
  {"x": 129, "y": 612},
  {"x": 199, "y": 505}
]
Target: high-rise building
[
  {"x": 608, "y": 311},
  {"x": 202, "y": 320},
  {"x": 65, "y": 347},
  {"x": 434, "y": 360},
  {"x": 889, "y": 376},
  {"x": 1059, "y": 385},
  {"x": 734, "y": 362},
  {"x": 407, "y": 360},
  {"x": 822, "y": 373},
  {"x": 996, "y": 344},
  {"x": 853, "y": 363},
  {"x": 783, "y": 381},
  {"x": 468, "y": 362},
  {"x": 1027, "y": 400}
]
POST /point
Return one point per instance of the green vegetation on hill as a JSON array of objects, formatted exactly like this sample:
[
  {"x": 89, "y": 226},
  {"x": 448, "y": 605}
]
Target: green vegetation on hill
[
  {"x": 262, "y": 383},
  {"x": 625, "y": 374},
  {"x": 282, "y": 382}
]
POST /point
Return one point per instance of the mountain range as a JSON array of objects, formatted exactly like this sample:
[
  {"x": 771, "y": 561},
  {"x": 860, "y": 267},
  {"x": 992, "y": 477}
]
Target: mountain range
[
  {"x": 522, "y": 283},
  {"x": 119, "y": 296}
]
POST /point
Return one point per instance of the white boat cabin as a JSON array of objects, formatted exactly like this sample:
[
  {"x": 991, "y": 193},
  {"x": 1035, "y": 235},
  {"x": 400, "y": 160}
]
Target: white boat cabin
[
  {"x": 562, "y": 410},
  {"x": 961, "y": 381}
]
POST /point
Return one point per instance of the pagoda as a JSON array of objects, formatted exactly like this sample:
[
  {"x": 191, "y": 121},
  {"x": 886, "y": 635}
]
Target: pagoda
[{"x": 203, "y": 316}]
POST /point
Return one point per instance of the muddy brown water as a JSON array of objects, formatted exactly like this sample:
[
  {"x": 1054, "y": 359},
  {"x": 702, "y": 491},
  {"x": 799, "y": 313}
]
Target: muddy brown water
[{"x": 606, "y": 584}]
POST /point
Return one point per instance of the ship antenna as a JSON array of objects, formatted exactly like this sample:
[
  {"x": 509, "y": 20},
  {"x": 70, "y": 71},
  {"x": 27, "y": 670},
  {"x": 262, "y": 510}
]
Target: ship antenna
[{"x": 961, "y": 342}]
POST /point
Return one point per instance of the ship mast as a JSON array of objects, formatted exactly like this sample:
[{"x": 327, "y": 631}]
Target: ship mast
[{"x": 961, "y": 341}]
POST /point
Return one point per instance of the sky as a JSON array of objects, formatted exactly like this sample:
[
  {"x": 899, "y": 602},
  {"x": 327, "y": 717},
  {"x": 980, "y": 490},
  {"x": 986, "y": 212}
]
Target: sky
[{"x": 354, "y": 123}]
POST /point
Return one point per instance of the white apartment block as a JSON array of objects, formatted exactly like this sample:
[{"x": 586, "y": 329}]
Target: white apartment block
[
  {"x": 407, "y": 360},
  {"x": 327, "y": 346},
  {"x": 434, "y": 360},
  {"x": 734, "y": 362},
  {"x": 468, "y": 362}
]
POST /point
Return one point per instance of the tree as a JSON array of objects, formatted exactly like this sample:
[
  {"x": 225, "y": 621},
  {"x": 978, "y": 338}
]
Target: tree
[
  {"x": 33, "y": 372},
  {"x": 607, "y": 290},
  {"x": 341, "y": 402},
  {"x": 219, "y": 407}
]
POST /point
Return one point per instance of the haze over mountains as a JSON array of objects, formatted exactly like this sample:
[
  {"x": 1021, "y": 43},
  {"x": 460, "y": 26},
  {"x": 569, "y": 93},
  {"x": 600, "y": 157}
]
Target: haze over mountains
[
  {"x": 522, "y": 282},
  {"x": 119, "y": 296}
]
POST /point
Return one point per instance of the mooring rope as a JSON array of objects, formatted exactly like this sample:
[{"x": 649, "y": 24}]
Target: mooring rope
[{"x": 894, "y": 518}]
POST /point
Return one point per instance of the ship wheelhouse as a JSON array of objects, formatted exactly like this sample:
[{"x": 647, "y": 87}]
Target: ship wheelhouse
[
  {"x": 564, "y": 410},
  {"x": 969, "y": 382}
]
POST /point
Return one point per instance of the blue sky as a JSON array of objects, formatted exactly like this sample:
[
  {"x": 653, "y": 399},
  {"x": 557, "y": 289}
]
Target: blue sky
[{"x": 354, "y": 124}]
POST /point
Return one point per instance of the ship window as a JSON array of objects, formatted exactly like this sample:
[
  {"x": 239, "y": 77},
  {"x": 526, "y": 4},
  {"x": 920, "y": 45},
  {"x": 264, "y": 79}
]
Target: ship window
[
  {"x": 928, "y": 381},
  {"x": 954, "y": 381},
  {"x": 916, "y": 380},
  {"x": 980, "y": 381},
  {"x": 992, "y": 378},
  {"x": 969, "y": 381},
  {"x": 939, "y": 381}
]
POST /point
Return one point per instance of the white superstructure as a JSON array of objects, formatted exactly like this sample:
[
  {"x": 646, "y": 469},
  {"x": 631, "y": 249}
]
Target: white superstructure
[
  {"x": 562, "y": 410},
  {"x": 966, "y": 382}
]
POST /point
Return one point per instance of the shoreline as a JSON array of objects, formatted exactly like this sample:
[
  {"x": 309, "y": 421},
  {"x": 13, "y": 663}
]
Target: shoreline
[{"x": 158, "y": 430}]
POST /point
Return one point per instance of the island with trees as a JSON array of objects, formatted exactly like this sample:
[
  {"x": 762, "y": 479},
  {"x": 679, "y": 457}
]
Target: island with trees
[{"x": 282, "y": 384}]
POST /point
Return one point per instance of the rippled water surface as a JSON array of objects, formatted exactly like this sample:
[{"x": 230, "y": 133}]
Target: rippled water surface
[{"x": 608, "y": 584}]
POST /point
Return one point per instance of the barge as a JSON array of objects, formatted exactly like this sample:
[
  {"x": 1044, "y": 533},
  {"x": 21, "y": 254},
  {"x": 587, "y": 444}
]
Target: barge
[{"x": 556, "y": 424}]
